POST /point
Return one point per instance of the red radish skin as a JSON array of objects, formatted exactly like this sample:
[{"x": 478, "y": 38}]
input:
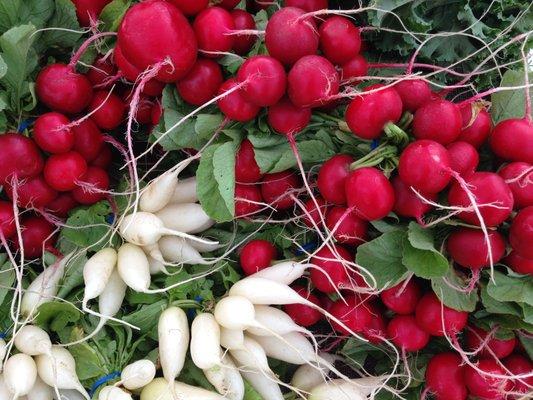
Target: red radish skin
[
  {"x": 483, "y": 386},
  {"x": 521, "y": 233},
  {"x": 227, "y": 4},
  {"x": 157, "y": 113},
  {"x": 247, "y": 199},
  {"x": 475, "y": 338},
  {"x": 191, "y": 7},
  {"x": 520, "y": 182},
  {"x": 19, "y": 158},
  {"x": 88, "y": 11},
  {"x": 332, "y": 177},
  {"x": 153, "y": 32},
  {"x": 351, "y": 229},
  {"x": 257, "y": 255},
  {"x": 143, "y": 115},
  {"x": 264, "y": 80},
  {"x": 354, "y": 68},
  {"x": 62, "y": 171},
  {"x": 468, "y": 247},
  {"x": 289, "y": 37},
  {"x": 91, "y": 185},
  {"x": 340, "y": 39},
  {"x": 201, "y": 84},
  {"x": 246, "y": 168},
  {"x": 307, "y": 5},
  {"x": 377, "y": 330},
  {"x": 476, "y": 125},
  {"x": 331, "y": 274},
  {"x": 36, "y": 234},
  {"x": 108, "y": 110},
  {"x": 8, "y": 228},
  {"x": 414, "y": 93},
  {"x": 243, "y": 20},
  {"x": 519, "y": 365},
  {"x": 512, "y": 140},
  {"x": 288, "y": 119},
  {"x": 487, "y": 188},
  {"x": 234, "y": 105},
  {"x": 102, "y": 70},
  {"x": 62, "y": 89},
  {"x": 353, "y": 313},
  {"x": 88, "y": 140},
  {"x": 519, "y": 264},
  {"x": 33, "y": 193},
  {"x": 52, "y": 135},
  {"x": 431, "y": 315},
  {"x": 445, "y": 377},
  {"x": 277, "y": 188},
  {"x": 405, "y": 333},
  {"x": 438, "y": 120},
  {"x": 312, "y": 215},
  {"x": 464, "y": 158},
  {"x": 368, "y": 113},
  {"x": 369, "y": 193},
  {"x": 212, "y": 27},
  {"x": 408, "y": 204},
  {"x": 402, "y": 298},
  {"x": 62, "y": 205},
  {"x": 302, "y": 314}
]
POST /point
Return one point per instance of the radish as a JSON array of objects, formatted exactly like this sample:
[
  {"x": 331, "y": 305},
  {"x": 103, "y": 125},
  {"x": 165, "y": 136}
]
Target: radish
[
  {"x": 51, "y": 134},
  {"x": 227, "y": 4},
  {"x": 402, "y": 298},
  {"x": 340, "y": 389},
  {"x": 113, "y": 393},
  {"x": 332, "y": 177},
  {"x": 340, "y": 40},
  {"x": 138, "y": 374},
  {"x": 464, "y": 158},
  {"x": 512, "y": 140},
  {"x": 63, "y": 90},
  {"x": 185, "y": 191},
  {"x": 173, "y": 334},
  {"x": 352, "y": 313},
  {"x": 102, "y": 72},
  {"x": 405, "y": 333},
  {"x": 104, "y": 159},
  {"x": 187, "y": 217},
  {"x": 519, "y": 177},
  {"x": 285, "y": 272},
  {"x": 246, "y": 168},
  {"x": 212, "y": 27},
  {"x": 88, "y": 140},
  {"x": 353, "y": 69},
  {"x": 256, "y": 255},
  {"x": 414, "y": 93},
  {"x": 247, "y": 200},
  {"x": 231, "y": 339},
  {"x": 445, "y": 377},
  {"x": 519, "y": 264},
  {"x": 107, "y": 110},
  {"x": 519, "y": 365},
  {"x": 521, "y": 233},
  {"x": 33, "y": 193},
  {"x": 369, "y": 193},
  {"x": 438, "y": 120},
  {"x": 62, "y": 205},
  {"x": 346, "y": 226},
  {"x": 37, "y": 236},
  {"x": 468, "y": 247},
  {"x": 264, "y": 80},
  {"x": 234, "y": 105},
  {"x": 476, "y": 340},
  {"x": 8, "y": 227},
  {"x": 286, "y": 118},
  {"x": 483, "y": 386},
  {"x": 307, "y": 376},
  {"x": 191, "y": 7},
  {"x": 92, "y": 186},
  {"x": 226, "y": 379},
  {"x": 437, "y": 319},
  {"x": 477, "y": 124},
  {"x": 264, "y": 385},
  {"x": 19, "y": 158},
  {"x": 4, "y": 391},
  {"x": 243, "y": 20},
  {"x": 252, "y": 357},
  {"x": 97, "y": 271},
  {"x": 312, "y": 81},
  {"x": 88, "y": 11},
  {"x": 171, "y": 41},
  {"x": 307, "y": 5},
  {"x": 301, "y": 314},
  {"x": 407, "y": 203},
  {"x": 235, "y": 312},
  {"x": 331, "y": 272},
  {"x": 276, "y": 188},
  {"x": 179, "y": 251},
  {"x": 291, "y": 36},
  {"x": 488, "y": 189},
  {"x": 205, "y": 341},
  {"x": 40, "y": 391},
  {"x": 32, "y": 341},
  {"x": 202, "y": 82},
  {"x": 133, "y": 267},
  {"x": 17, "y": 367},
  {"x": 63, "y": 171},
  {"x": 161, "y": 389},
  {"x": 311, "y": 214},
  {"x": 276, "y": 320}
]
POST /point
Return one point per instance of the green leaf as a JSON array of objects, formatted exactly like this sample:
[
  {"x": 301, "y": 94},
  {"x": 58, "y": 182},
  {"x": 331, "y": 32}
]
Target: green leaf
[
  {"x": 56, "y": 315},
  {"x": 16, "y": 12},
  {"x": 527, "y": 342},
  {"x": 3, "y": 71},
  {"x": 445, "y": 290},
  {"x": 207, "y": 124},
  {"x": 510, "y": 103},
  {"x": 64, "y": 19},
  {"x": 112, "y": 14},
  {"x": 73, "y": 275},
  {"x": 508, "y": 288},
  {"x": 383, "y": 258},
  {"x": 7, "y": 277},
  {"x": 200, "y": 287},
  {"x": 494, "y": 306},
  {"x": 88, "y": 363},
  {"x": 146, "y": 317},
  {"x": 250, "y": 393}
]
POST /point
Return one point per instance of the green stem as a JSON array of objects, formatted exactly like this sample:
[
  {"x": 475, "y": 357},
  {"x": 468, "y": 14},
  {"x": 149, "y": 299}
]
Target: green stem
[
  {"x": 396, "y": 134},
  {"x": 381, "y": 153}
]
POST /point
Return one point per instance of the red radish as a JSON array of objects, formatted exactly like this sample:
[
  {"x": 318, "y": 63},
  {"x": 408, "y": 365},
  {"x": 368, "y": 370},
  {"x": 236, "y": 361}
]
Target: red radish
[
  {"x": 101, "y": 71},
  {"x": 425, "y": 165},
  {"x": 62, "y": 204},
  {"x": 368, "y": 113},
  {"x": 377, "y": 330},
  {"x": 290, "y": 37},
  {"x": 287, "y": 119},
  {"x": 8, "y": 227},
  {"x": 19, "y": 157},
  {"x": 414, "y": 93},
  {"x": 483, "y": 386},
  {"x": 402, "y": 298},
  {"x": 36, "y": 235},
  {"x": 405, "y": 333},
  {"x": 88, "y": 11},
  {"x": 212, "y": 27},
  {"x": 246, "y": 168},
  {"x": 202, "y": 82},
  {"x": 369, "y": 193},
  {"x": 33, "y": 193},
  {"x": 354, "y": 68},
  {"x": 314, "y": 212},
  {"x": 62, "y": 171},
  {"x": 468, "y": 247},
  {"x": 62, "y": 89},
  {"x": 512, "y": 139},
  {"x": 340, "y": 39},
  {"x": 247, "y": 199},
  {"x": 88, "y": 140},
  {"x": 475, "y": 338},
  {"x": 331, "y": 274},
  {"x": 332, "y": 177},
  {"x": 464, "y": 157},
  {"x": 519, "y": 264},
  {"x": 257, "y": 255},
  {"x": 350, "y": 230},
  {"x": 157, "y": 113},
  {"x": 91, "y": 185},
  {"x": 264, "y": 80},
  {"x": 234, "y": 105},
  {"x": 108, "y": 110},
  {"x": 307, "y": 5},
  {"x": 520, "y": 182},
  {"x": 445, "y": 377},
  {"x": 431, "y": 315},
  {"x": 302, "y": 314},
  {"x": 312, "y": 81},
  {"x": 477, "y": 124},
  {"x": 487, "y": 188},
  {"x": 143, "y": 115},
  {"x": 353, "y": 313},
  {"x": 277, "y": 188},
  {"x": 407, "y": 203},
  {"x": 519, "y": 365},
  {"x": 521, "y": 233},
  {"x": 227, "y": 4},
  {"x": 438, "y": 120},
  {"x": 243, "y": 21},
  {"x": 156, "y": 31},
  {"x": 51, "y": 135},
  {"x": 191, "y": 7}
]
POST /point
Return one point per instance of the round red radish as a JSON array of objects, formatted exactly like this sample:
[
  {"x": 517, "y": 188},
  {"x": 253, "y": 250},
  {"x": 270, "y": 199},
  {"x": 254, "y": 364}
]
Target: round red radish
[
  {"x": 91, "y": 185},
  {"x": 307, "y": 5},
  {"x": 332, "y": 177},
  {"x": 369, "y": 193},
  {"x": 368, "y": 113},
  {"x": 311, "y": 217},
  {"x": 484, "y": 386},
  {"x": 88, "y": 11},
  {"x": 501, "y": 348},
  {"x": 287, "y": 119},
  {"x": 234, "y": 105},
  {"x": 257, "y": 255},
  {"x": 521, "y": 233},
  {"x": 201, "y": 84},
  {"x": 227, "y": 4},
  {"x": 414, "y": 93},
  {"x": 129, "y": 71},
  {"x": 520, "y": 182},
  {"x": 51, "y": 135},
  {"x": 487, "y": 188},
  {"x": 37, "y": 234},
  {"x": 331, "y": 274},
  {"x": 431, "y": 315},
  {"x": 438, "y": 120},
  {"x": 519, "y": 264},
  {"x": 340, "y": 39},
  {"x": 243, "y": 20},
  {"x": 354, "y": 68},
  {"x": 302, "y": 314},
  {"x": 101, "y": 71},
  {"x": 212, "y": 27},
  {"x": 8, "y": 228},
  {"x": 264, "y": 80},
  {"x": 353, "y": 313},
  {"x": 33, "y": 193},
  {"x": 277, "y": 188},
  {"x": 405, "y": 333},
  {"x": 157, "y": 113},
  {"x": 468, "y": 247},
  {"x": 512, "y": 139},
  {"x": 289, "y": 37},
  {"x": 62, "y": 89},
  {"x": 88, "y": 140},
  {"x": 402, "y": 298},
  {"x": 191, "y": 7},
  {"x": 445, "y": 377},
  {"x": 377, "y": 330},
  {"x": 144, "y": 110},
  {"x": 156, "y": 31},
  {"x": 62, "y": 204},
  {"x": 19, "y": 157},
  {"x": 464, "y": 157},
  {"x": 247, "y": 200},
  {"x": 519, "y": 365},
  {"x": 107, "y": 110},
  {"x": 407, "y": 203},
  {"x": 62, "y": 171},
  {"x": 246, "y": 168},
  {"x": 348, "y": 227},
  {"x": 476, "y": 125}
]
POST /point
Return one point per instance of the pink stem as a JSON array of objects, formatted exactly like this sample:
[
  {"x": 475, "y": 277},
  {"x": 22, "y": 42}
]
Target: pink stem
[{"x": 77, "y": 55}]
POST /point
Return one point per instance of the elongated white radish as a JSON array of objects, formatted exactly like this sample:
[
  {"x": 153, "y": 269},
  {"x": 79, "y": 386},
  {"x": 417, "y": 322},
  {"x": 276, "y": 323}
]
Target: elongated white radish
[
  {"x": 340, "y": 389},
  {"x": 185, "y": 191},
  {"x": 161, "y": 389},
  {"x": 173, "y": 334},
  {"x": 266, "y": 292},
  {"x": 40, "y": 391},
  {"x": 176, "y": 250},
  {"x": 32, "y": 340},
  {"x": 158, "y": 193},
  {"x": 187, "y": 217},
  {"x": 133, "y": 267},
  {"x": 20, "y": 374},
  {"x": 193, "y": 393},
  {"x": 3, "y": 350},
  {"x": 226, "y": 379},
  {"x": 231, "y": 339},
  {"x": 306, "y": 377},
  {"x": 96, "y": 272},
  {"x": 156, "y": 266},
  {"x": 138, "y": 374},
  {"x": 252, "y": 356},
  {"x": 205, "y": 341},
  {"x": 113, "y": 393},
  {"x": 205, "y": 248},
  {"x": 5, "y": 394},
  {"x": 285, "y": 272},
  {"x": 266, "y": 386},
  {"x": 293, "y": 348},
  {"x": 235, "y": 312},
  {"x": 69, "y": 395},
  {"x": 276, "y": 320}
]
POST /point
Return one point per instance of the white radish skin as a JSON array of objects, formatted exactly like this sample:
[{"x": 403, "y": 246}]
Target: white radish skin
[
  {"x": 40, "y": 391},
  {"x": 204, "y": 248},
  {"x": 293, "y": 348},
  {"x": 96, "y": 272},
  {"x": 176, "y": 250},
  {"x": 231, "y": 339},
  {"x": 20, "y": 374},
  {"x": 340, "y": 389},
  {"x": 133, "y": 267},
  {"x": 226, "y": 379},
  {"x": 160, "y": 389},
  {"x": 235, "y": 312},
  {"x": 185, "y": 191},
  {"x": 285, "y": 272},
  {"x": 158, "y": 193},
  {"x": 252, "y": 356},
  {"x": 3, "y": 350},
  {"x": 173, "y": 334},
  {"x": 5, "y": 394},
  {"x": 156, "y": 266},
  {"x": 205, "y": 341},
  {"x": 69, "y": 395},
  {"x": 306, "y": 377},
  {"x": 113, "y": 393},
  {"x": 138, "y": 374},
  {"x": 276, "y": 320},
  {"x": 265, "y": 386},
  {"x": 187, "y": 217},
  {"x": 32, "y": 340}
]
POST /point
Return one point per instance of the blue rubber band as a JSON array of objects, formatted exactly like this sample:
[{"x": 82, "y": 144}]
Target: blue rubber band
[
  {"x": 25, "y": 124},
  {"x": 102, "y": 381},
  {"x": 374, "y": 145},
  {"x": 110, "y": 218},
  {"x": 3, "y": 335},
  {"x": 308, "y": 247}
]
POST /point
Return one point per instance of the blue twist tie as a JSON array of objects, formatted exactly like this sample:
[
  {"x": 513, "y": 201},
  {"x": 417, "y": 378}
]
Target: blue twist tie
[
  {"x": 3, "y": 335},
  {"x": 374, "y": 145},
  {"x": 307, "y": 247},
  {"x": 25, "y": 124},
  {"x": 102, "y": 381},
  {"x": 110, "y": 218}
]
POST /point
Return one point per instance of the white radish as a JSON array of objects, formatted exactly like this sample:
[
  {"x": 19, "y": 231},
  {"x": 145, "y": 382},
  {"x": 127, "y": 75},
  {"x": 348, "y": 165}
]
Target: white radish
[
  {"x": 205, "y": 341},
  {"x": 158, "y": 193},
  {"x": 276, "y": 320},
  {"x": 113, "y": 393},
  {"x": 226, "y": 379},
  {"x": 231, "y": 339},
  {"x": 133, "y": 267},
  {"x": 307, "y": 376},
  {"x": 96, "y": 273},
  {"x": 69, "y": 395},
  {"x": 3, "y": 351},
  {"x": 187, "y": 217},
  {"x": 252, "y": 356},
  {"x": 235, "y": 312},
  {"x": 266, "y": 386},
  {"x": 5, "y": 394},
  {"x": 189, "y": 392},
  {"x": 285, "y": 272},
  {"x": 20, "y": 374},
  {"x": 138, "y": 374},
  {"x": 340, "y": 389},
  {"x": 173, "y": 334},
  {"x": 185, "y": 191},
  {"x": 178, "y": 251},
  {"x": 205, "y": 248},
  {"x": 293, "y": 348},
  {"x": 156, "y": 266},
  {"x": 40, "y": 391},
  {"x": 161, "y": 389},
  {"x": 32, "y": 340}
]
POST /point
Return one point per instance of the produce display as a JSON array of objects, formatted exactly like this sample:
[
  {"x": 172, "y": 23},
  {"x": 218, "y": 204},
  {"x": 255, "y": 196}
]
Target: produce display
[{"x": 266, "y": 200}]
